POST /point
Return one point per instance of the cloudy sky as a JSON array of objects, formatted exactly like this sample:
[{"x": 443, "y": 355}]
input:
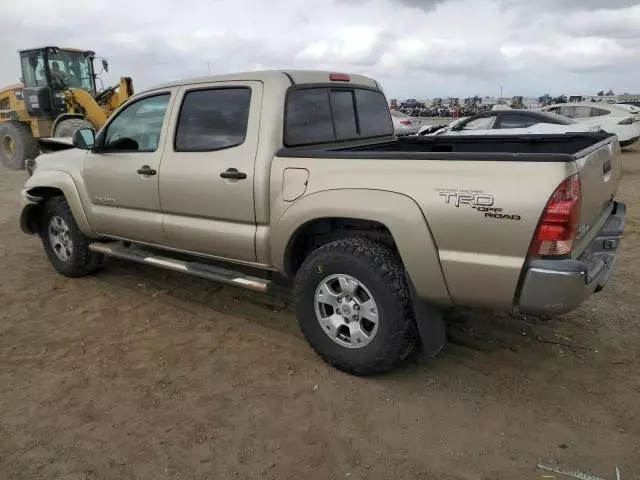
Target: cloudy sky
[{"x": 416, "y": 48}]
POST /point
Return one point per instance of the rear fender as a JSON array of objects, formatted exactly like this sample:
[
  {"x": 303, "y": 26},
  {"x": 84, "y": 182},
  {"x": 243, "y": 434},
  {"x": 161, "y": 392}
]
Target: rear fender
[
  {"x": 45, "y": 184},
  {"x": 399, "y": 213}
]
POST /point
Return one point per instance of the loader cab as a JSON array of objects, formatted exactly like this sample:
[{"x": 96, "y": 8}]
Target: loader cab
[{"x": 50, "y": 71}]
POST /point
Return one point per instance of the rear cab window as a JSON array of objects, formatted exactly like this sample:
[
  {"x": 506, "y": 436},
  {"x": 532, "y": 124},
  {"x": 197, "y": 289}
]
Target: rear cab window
[{"x": 325, "y": 114}]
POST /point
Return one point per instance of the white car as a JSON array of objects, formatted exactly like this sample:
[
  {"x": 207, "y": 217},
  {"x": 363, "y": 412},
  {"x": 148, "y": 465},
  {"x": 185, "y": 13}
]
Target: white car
[
  {"x": 404, "y": 124},
  {"x": 510, "y": 122},
  {"x": 622, "y": 120}
]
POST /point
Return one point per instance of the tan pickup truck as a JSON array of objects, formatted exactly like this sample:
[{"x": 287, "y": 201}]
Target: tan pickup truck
[{"x": 260, "y": 178}]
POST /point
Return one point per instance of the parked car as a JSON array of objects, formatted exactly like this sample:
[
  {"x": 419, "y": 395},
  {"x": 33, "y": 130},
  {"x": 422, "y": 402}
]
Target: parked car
[
  {"x": 404, "y": 124},
  {"x": 613, "y": 118},
  {"x": 509, "y": 122},
  {"x": 629, "y": 102},
  {"x": 251, "y": 178}
]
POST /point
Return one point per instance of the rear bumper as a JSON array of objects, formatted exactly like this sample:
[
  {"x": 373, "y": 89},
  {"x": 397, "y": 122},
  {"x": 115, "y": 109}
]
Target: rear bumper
[
  {"x": 629, "y": 142},
  {"x": 552, "y": 287}
]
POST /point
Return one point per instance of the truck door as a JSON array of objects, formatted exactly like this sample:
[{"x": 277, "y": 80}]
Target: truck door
[
  {"x": 121, "y": 175},
  {"x": 207, "y": 171}
]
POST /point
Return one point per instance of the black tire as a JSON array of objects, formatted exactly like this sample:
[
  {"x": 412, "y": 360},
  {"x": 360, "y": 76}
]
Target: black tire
[
  {"x": 17, "y": 144},
  {"x": 381, "y": 272},
  {"x": 81, "y": 261},
  {"x": 66, "y": 128}
]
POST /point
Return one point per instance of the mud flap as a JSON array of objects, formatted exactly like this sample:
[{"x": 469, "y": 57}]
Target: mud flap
[{"x": 431, "y": 326}]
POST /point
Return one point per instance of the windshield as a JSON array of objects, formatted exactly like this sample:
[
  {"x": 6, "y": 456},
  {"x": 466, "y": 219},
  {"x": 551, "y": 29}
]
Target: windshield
[
  {"x": 71, "y": 70},
  {"x": 68, "y": 70}
]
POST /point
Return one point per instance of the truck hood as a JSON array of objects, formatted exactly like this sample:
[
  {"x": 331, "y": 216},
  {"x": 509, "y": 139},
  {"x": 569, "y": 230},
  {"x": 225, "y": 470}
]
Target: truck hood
[{"x": 65, "y": 160}]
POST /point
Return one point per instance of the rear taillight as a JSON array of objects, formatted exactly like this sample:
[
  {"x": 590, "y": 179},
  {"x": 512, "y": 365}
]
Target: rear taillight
[
  {"x": 559, "y": 223},
  {"x": 405, "y": 122},
  {"x": 627, "y": 121}
]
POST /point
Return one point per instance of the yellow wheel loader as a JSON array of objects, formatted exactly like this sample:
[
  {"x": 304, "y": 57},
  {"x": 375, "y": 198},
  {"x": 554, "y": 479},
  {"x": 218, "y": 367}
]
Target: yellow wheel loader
[{"x": 57, "y": 96}]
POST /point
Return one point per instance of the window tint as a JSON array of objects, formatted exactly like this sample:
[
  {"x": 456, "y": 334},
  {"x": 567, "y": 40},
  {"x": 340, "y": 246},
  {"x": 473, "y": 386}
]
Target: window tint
[
  {"x": 514, "y": 120},
  {"x": 598, "y": 112},
  {"x": 482, "y": 123},
  {"x": 569, "y": 112},
  {"x": 583, "y": 112},
  {"x": 553, "y": 118},
  {"x": 137, "y": 128},
  {"x": 213, "y": 119},
  {"x": 575, "y": 111},
  {"x": 344, "y": 116},
  {"x": 324, "y": 114},
  {"x": 308, "y": 117},
  {"x": 373, "y": 113}
]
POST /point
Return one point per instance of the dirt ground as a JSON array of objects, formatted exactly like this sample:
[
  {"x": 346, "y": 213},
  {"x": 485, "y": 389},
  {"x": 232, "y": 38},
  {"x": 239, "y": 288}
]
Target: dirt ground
[{"x": 146, "y": 374}]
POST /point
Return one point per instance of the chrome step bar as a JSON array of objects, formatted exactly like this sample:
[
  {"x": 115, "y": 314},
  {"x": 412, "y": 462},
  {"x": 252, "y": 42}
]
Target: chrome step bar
[{"x": 203, "y": 270}]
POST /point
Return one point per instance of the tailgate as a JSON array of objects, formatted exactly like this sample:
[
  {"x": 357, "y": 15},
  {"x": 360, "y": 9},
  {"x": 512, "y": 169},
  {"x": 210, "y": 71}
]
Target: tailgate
[{"x": 599, "y": 168}]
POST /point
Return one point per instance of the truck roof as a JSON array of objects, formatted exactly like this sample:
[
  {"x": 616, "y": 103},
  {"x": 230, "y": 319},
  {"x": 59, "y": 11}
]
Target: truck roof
[{"x": 289, "y": 76}]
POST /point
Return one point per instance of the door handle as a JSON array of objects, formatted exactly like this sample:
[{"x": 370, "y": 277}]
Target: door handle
[
  {"x": 146, "y": 170},
  {"x": 233, "y": 173}
]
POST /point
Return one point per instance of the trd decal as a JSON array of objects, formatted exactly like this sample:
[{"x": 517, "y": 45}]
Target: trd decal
[{"x": 476, "y": 199}]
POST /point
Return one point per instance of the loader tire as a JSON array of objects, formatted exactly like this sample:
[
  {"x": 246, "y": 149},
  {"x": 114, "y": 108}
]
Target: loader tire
[
  {"x": 66, "y": 128},
  {"x": 17, "y": 144}
]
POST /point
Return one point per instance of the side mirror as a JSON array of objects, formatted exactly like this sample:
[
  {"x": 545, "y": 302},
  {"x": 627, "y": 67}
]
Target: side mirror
[
  {"x": 84, "y": 139},
  {"x": 105, "y": 65}
]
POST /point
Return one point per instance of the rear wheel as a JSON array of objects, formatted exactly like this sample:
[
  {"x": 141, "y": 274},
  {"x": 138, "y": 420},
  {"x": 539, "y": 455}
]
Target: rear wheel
[
  {"x": 66, "y": 128},
  {"x": 354, "y": 306},
  {"x": 66, "y": 246},
  {"x": 17, "y": 144}
]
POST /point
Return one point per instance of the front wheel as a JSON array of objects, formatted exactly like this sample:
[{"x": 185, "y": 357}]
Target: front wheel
[
  {"x": 354, "y": 306},
  {"x": 66, "y": 246}
]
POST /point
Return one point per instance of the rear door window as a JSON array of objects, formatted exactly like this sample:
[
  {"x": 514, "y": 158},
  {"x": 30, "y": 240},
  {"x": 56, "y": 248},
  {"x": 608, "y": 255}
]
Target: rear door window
[
  {"x": 213, "y": 119},
  {"x": 326, "y": 114}
]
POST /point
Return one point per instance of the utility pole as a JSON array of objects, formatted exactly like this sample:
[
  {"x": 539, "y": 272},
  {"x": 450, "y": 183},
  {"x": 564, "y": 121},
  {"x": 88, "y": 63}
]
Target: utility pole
[
  {"x": 500, "y": 93},
  {"x": 209, "y": 67}
]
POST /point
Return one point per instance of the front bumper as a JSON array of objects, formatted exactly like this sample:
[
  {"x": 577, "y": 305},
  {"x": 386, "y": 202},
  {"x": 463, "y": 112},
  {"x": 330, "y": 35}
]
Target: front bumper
[{"x": 552, "y": 287}]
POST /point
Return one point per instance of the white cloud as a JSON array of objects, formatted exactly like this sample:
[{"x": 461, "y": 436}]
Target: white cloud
[{"x": 416, "y": 48}]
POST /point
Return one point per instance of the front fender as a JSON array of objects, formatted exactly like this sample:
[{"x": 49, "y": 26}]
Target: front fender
[
  {"x": 41, "y": 186},
  {"x": 399, "y": 213}
]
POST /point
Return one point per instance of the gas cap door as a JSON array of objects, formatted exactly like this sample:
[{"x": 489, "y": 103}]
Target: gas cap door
[{"x": 294, "y": 183}]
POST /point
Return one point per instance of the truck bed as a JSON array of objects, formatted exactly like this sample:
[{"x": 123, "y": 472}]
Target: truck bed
[
  {"x": 518, "y": 173},
  {"x": 544, "y": 147}
]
